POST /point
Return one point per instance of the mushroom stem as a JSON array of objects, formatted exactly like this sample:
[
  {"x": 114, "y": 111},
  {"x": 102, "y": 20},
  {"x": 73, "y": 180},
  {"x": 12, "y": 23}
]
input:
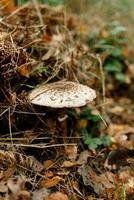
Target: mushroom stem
[{"x": 63, "y": 123}]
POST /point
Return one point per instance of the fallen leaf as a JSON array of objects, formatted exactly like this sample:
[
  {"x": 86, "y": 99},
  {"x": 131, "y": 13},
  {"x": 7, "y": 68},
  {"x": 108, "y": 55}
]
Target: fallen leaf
[
  {"x": 57, "y": 196},
  {"x": 63, "y": 173},
  {"x": 48, "y": 174},
  {"x": 46, "y": 38},
  {"x": 3, "y": 187},
  {"x": 75, "y": 186},
  {"x": 117, "y": 110},
  {"x": 120, "y": 134},
  {"x": 126, "y": 175},
  {"x": 16, "y": 184},
  {"x": 48, "y": 183},
  {"x": 24, "y": 70},
  {"x": 83, "y": 157},
  {"x": 48, "y": 164},
  {"x": 100, "y": 183},
  {"x": 23, "y": 195},
  {"x": 8, "y": 5},
  {"x": 7, "y": 164},
  {"x": 40, "y": 194},
  {"x": 131, "y": 69},
  {"x": 71, "y": 152},
  {"x": 82, "y": 123},
  {"x": 68, "y": 164}
]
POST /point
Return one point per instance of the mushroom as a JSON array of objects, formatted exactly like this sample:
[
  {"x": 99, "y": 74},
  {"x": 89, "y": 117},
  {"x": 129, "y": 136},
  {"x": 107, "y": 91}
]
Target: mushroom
[{"x": 62, "y": 94}]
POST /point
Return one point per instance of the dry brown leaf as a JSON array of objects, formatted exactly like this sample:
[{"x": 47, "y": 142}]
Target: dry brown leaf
[
  {"x": 16, "y": 184},
  {"x": 100, "y": 183},
  {"x": 119, "y": 133},
  {"x": 126, "y": 52},
  {"x": 48, "y": 164},
  {"x": 114, "y": 129},
  {"x": 104, "y": 33},
  {"x": 40, "y": 194},
  {"x": 68, "y": 164},
  {"x": 23, "y": 195},
  {"x": 51, "y": 123},
  {"x": 24, "y": 70},
  {"x": 129, "y": 75},
  {"x": 83, "y": 157},
  {"x": 48, "y": 174},
  {"x": 82, "y": 123},
  {"x": 75, "y": 186},
  {"x": 7, "y": 164},
  {"x": 131, "y": 69},
  {"x": 126, "y": 175},
  {"x": 57, "y": 196},
  {"x": 130, "y": 161},
  {"x": 46, "y": 38},
  {"x": 93, "y": 198},
  {"x": 8, "y": 5},
  {"x": 63, "y": 173},
  {"x": 48, "y": 183},
  {"x": 3, "y": 187},
  {"x": 71, "y": 152},
  {"x": 29, "y": 162},
  {"x": 49, "y": 54},
  {"x": 82, "y": 28},
  {"x": 13, "y": 98},
  {"x": 117, "y": 110}
]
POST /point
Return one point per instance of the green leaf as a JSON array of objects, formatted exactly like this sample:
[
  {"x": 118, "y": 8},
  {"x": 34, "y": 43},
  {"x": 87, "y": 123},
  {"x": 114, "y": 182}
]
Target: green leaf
[
  {"x": 118, "y": 30},
  {"x": 53, "y": 2},
  {"x": 71, "y": 114},
  {"x": 116, "y": 52},
  {"x": 120, "y": 77},
  {"x": 95, "y": 142},
  {"x": 105, "y": 140},
  {"x": 86, "y": 114},
  {"x": 112, "y": 65},
  {"x": 39, "y": 69}
]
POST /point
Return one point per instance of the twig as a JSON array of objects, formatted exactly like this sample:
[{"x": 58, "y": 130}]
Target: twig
[
  {"x": 29, "y": 113},
  {"x": 16, "y": 11},
  {"x": 38, "y": 12},
  {"x": 42, "y": 146},
  {"x": 10, "y": 129},
  {"x": 4, "y": 112},
  {"x": 103, "y": 79}
]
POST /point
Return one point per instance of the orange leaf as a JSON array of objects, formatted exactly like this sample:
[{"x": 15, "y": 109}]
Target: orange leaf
[
  {"x": 8, "y": 5},
  {"x": 24, "y": 70},
  {"x": 48, "y": 164},
  {"x": 49, "y": 174},
  {"x": 71, "y": 151},
  {"x": 68, "y": 164},
  {"x": 50, "y": 182},
  {"x": 57, "y": 196},
  {"x": 46, "y": 38},
  {"x": 83, "y": 123}
]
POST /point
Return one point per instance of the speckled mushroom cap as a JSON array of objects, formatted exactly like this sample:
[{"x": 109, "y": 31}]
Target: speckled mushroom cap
[{"x": 62, "y": 94}]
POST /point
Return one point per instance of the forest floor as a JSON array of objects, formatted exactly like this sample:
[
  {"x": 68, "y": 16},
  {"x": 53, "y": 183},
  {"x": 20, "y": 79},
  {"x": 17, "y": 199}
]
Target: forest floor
[{"x": 89, "y": 153}]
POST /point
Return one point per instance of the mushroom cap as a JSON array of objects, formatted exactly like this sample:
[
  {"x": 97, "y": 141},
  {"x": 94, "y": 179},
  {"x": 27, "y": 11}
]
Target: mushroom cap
[{"x": 62, "y": 94}]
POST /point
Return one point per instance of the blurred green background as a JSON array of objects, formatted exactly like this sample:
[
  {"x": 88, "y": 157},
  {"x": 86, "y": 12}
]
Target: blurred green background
[{"x": 93, "y": 10}]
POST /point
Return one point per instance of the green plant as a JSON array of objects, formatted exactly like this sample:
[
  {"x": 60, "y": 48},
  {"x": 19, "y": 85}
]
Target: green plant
[
  {"x": 111, "y": 41},
  {"x": 39, "y": 70},
  {"x": 95, "y": 142},
  {"x": 91, "y": 132},
  {"x": 50, "y": 2},
  {"x": 53, "y": 2},
  {"x": 86, "y": 114}
]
